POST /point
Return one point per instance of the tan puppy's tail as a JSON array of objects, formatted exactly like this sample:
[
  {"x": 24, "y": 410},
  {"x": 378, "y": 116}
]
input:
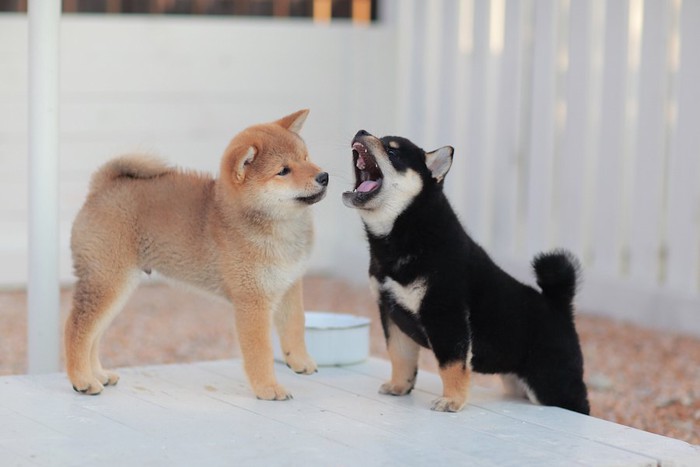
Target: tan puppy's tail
[{"x": 129, "y": 166}]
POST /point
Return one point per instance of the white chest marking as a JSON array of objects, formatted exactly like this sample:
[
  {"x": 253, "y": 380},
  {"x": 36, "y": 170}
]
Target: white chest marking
[
  {"x": 409, "y": 296},
  {"x": 393, "y": 199}
]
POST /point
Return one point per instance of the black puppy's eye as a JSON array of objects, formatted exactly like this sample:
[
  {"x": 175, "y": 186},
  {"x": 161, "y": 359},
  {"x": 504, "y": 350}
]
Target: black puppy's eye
[
  {"x": 392, "y": 152},
  {"x": 284, "y": 171}
]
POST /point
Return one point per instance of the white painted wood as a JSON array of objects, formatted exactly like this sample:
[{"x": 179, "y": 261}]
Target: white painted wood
[
  {"x": 409, "y": 32},
  {"x": 542, "y": 127},
  {"x": 43, "y": 328},
  {"x": 204, "y": 414},
  {"x": 592, "y": 127},
  {"x": 435, "y": 75},
  {"x": 591, "y": 428},
  {"x": 477, "y": 154},
  {"x": 651, "y": 137},
  {"x": 507, "y": 137},
  {"x": 456, "y": 183},
  {"x": 623, "y": 299},
  {"x": 575, "y": 148},
  {"x": 608, "y": 192},
  {"x": 684, "y": 164}
]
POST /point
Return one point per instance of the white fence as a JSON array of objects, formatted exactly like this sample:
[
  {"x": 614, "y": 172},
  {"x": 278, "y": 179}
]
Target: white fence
[{"x": 576, "y": 123}]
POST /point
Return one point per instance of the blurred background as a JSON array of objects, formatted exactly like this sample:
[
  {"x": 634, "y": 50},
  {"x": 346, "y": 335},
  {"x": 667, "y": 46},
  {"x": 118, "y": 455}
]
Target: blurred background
[{"x": 576, "y": 123}]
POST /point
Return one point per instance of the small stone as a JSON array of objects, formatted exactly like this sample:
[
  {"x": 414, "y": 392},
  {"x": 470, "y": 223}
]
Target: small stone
[
  {"x": 666, "y": 401},
  {"x": 600, "y": 382}
]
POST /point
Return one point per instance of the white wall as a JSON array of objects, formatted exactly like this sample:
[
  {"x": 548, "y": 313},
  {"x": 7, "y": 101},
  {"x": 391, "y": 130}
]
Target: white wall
[{"x": 181, "y": 88}]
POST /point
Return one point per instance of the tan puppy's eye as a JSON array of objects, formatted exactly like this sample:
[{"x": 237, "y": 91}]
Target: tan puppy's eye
[{"x": 284, "y": 171}]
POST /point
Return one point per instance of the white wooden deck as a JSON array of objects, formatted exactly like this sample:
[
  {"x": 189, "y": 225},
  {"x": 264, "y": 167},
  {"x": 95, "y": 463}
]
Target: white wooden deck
[{"x": 204, "y": 414}]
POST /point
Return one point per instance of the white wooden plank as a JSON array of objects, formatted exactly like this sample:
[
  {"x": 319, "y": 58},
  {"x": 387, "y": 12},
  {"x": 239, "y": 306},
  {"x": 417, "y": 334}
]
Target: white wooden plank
[
  {"x": 476, "y": 434},
  {"x": 448, "y": 28},
  {"x": 10, "y": 459},
  {"x": 507, "y": 140},
  {"x": 542, "y": 130},
  {"x": 643, "y": 443},
  {"x": 646, "y": 209},
  {"x": 684, "y": 168},
  {"x": 575, "y": 149},
  {"x": 316, "y": 409},
  {"x": 489, "y": 177},
  {"x": 477, "y": 155},
  {"x": 457, "y": 181},
  {"x": 180, "y": 425},
  {"x": 608, "y": 192},
  {"x": 205, "y": 413},
  {"x": 435, "y": 70},
  {"x": 592, "y": 127},
  {"x": 409, "y": 34}
]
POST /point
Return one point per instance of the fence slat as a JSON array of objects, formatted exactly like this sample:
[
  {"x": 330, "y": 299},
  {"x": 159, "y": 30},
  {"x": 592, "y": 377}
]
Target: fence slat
[
  {"x": 506, "y": 139},
  {"x": 684, "y": 163},
  {"x": 410, "y": 85},
  {"x": 575, "y": 146},
  {"x": 480, "y": 109},
  {"x": 457, "y": 181},
  {"x": 650, "y": 145},
  {"x": 541, "y": 148},
  {"x": 608, "y": 196},
  {"x": 439, "y": 72}
]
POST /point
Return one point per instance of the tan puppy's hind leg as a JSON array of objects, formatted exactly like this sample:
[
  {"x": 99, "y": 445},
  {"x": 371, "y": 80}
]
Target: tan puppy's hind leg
[
  {"x": 94, "y": 307},
  {"x": 253, "y": 323},
  {"x": 289, "y": 320},
  {"x": 403, "y": 352},
  {"x": 106, "y": 377}
]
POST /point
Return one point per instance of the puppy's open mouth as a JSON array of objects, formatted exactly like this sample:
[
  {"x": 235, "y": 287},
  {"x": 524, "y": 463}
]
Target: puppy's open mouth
[{"x": 368, "y": 176}]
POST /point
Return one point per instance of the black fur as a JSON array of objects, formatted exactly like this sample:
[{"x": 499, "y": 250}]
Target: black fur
[{"x": 470, "y": 301}]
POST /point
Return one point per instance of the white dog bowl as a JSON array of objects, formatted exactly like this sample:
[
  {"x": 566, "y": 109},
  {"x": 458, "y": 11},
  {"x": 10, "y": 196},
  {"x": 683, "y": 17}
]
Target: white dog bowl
[{"x": 333, "y": 338}]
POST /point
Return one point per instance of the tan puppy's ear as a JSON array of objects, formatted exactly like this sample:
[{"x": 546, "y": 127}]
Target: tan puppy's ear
[
  {"x": 295, "y": 121},
  {"x": 243, "y": 160}
]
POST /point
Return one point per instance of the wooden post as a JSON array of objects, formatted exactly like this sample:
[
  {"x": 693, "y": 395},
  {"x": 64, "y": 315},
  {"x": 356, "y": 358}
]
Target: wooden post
[{"x": 43, "y": 288}]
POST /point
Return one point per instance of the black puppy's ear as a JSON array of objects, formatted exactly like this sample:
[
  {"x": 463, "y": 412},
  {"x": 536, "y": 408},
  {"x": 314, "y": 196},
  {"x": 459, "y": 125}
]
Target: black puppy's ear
[{"x": 439, "y": 162}]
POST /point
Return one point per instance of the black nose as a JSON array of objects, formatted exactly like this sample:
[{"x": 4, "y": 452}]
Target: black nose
[
  {"x": 322, "y": 178},
  {"x": 361, "y": 133}
]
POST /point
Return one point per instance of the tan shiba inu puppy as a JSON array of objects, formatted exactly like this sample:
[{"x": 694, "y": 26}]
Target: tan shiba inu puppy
[{"x": 244, "y": 236}]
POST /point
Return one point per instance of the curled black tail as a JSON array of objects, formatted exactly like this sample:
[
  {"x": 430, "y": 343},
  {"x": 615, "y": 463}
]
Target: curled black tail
[{"x": 557, "y": 275}]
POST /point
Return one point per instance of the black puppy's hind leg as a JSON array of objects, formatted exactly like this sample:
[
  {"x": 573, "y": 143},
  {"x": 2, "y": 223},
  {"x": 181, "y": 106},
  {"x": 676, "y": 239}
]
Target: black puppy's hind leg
[{"x": 563, "y": 388}]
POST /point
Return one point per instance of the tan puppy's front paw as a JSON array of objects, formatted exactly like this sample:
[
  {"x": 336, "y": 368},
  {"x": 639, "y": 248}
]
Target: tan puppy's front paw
[
  {"x": 273, "y": 392},
  {"x": 107, "y": 378},
  {"x": 448, "y": 404},
  {"x": 394, "y": 389},
  {"x": 303, "y": 364},
  {"x": 91, "y": 386}
]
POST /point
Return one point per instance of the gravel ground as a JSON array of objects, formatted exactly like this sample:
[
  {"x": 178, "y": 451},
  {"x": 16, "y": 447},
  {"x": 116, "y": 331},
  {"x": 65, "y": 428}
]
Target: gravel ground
[{"x": 638, "y": 377}]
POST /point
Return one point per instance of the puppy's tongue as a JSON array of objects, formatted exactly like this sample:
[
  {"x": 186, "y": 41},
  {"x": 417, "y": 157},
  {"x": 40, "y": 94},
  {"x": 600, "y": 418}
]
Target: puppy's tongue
[{"x": 367, "y": 185}]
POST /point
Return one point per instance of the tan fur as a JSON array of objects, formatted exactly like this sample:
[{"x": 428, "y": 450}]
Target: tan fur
[
  {"x": 403, "y": 353},
  {"x": 243, "y": 236},
  {"x": 455, "y": 387}
]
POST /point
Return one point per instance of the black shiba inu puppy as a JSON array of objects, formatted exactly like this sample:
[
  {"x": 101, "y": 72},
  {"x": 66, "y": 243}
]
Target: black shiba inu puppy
[{"x": 437, "y": 288}]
